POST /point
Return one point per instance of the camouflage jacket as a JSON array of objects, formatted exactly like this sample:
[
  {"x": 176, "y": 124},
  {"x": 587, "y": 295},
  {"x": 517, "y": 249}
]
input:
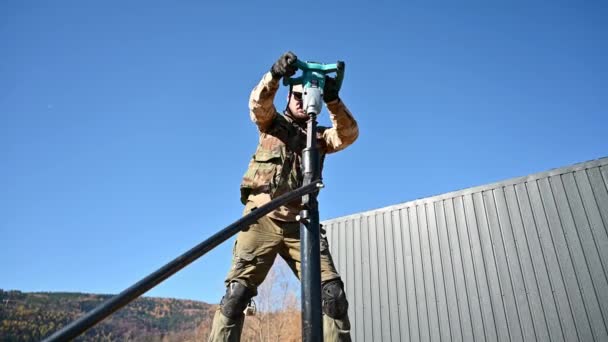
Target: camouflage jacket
[{"x": 275, "y": 169}]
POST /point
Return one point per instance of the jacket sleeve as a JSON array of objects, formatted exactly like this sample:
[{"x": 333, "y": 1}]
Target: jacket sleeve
[
  {"x": 261, "y": 102},
  {"x": 344, "y": 130}
]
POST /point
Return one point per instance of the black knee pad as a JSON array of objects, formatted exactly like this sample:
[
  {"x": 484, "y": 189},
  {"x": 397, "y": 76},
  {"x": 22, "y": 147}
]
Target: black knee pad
[
  {"x": 335, "y": 304},
  {"x": 235, "y": 300}
]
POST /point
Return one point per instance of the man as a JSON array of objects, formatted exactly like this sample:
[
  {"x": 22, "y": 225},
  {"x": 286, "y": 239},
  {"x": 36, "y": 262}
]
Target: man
[{"x": 274, "y": 170}]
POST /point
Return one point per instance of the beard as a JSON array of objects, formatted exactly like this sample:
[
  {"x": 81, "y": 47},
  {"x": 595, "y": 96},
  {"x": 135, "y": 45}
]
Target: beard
[
  {"x": 297, "y": 112},
  {"x": 300, "y": 115}
]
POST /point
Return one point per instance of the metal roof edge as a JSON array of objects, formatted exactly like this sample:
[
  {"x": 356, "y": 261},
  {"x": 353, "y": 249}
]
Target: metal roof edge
[{"x": 510, "y": 181}]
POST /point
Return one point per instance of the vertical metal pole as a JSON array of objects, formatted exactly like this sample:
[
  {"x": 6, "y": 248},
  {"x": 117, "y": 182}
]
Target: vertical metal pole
[{"x": 312, "y": 324}]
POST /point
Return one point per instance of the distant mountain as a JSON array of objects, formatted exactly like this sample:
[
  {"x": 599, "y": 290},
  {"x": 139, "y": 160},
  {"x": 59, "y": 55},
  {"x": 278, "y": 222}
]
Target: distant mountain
[{"x": 33, "y": 316}]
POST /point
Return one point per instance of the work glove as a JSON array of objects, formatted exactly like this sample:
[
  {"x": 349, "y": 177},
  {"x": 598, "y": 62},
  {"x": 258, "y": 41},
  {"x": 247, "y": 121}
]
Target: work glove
[
  {"x": 331, "y": 88},
  {"x": 285, "y": 66}
]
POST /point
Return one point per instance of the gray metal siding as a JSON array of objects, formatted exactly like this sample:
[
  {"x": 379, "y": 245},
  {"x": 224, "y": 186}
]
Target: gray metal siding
[{"x": 521, "y": 260}]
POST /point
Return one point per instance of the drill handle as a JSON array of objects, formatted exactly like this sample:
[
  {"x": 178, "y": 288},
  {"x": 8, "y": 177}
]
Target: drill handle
[{"x": 314, "y": 73}]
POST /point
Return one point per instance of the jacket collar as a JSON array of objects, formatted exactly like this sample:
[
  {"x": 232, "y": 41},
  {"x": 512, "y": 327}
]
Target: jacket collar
[{"x": 294, "y": 121}]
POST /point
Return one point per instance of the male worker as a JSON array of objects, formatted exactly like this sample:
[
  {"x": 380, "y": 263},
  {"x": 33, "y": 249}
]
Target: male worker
[{"x": 274, "y": 170}]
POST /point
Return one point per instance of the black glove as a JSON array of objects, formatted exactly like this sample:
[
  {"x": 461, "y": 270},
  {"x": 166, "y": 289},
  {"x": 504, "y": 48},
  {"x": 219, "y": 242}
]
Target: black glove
[
  {"x": 331, "y": 88},
  {"x": 285, "y": 66}
]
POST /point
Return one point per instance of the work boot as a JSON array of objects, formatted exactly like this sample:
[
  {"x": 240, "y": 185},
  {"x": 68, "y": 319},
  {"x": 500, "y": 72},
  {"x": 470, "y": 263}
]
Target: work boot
[
  {"x": 225, "y": 329},
  {"x": 336, "y": 330}
]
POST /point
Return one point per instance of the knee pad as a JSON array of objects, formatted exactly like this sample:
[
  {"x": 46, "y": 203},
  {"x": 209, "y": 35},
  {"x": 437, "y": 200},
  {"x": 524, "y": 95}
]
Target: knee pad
[
  {"x": 335, "y": 304},
  {"x": 235, "y": 300}
]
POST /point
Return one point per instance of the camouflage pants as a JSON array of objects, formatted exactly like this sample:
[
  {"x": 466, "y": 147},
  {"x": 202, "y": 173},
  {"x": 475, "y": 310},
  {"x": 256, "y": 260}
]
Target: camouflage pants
[{"x": 254, "y": 253}]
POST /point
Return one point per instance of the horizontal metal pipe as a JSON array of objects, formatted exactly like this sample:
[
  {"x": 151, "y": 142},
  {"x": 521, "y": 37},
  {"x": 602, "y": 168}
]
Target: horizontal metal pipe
[{"x": 111, "y": 305}]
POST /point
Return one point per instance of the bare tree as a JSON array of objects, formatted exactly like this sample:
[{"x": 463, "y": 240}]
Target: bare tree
[{"x": 278, "y": 308}]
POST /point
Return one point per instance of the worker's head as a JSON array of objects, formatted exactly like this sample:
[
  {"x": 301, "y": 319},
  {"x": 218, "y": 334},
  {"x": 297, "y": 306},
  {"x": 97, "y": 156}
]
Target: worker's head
[{"x": 294, "y": 103}]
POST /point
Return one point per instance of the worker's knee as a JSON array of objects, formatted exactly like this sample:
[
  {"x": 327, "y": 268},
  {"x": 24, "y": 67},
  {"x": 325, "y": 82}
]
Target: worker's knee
[
  {"x": 335, "y": 304},
  {"x": 235, "y": 300}
]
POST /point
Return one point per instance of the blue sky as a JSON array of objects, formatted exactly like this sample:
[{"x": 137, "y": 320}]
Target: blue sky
[{"x": 124, "y": 128}]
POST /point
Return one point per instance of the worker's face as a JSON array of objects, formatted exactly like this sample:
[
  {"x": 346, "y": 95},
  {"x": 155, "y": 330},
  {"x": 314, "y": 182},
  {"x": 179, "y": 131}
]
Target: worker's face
[{"x": 296, "y": 106}]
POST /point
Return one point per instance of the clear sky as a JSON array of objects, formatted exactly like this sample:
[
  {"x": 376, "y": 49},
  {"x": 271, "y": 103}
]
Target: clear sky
[{"x": 124, "y": 128}]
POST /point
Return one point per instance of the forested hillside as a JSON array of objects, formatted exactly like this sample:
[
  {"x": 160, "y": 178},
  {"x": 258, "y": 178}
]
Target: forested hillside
[
  {"x": 32, "y": 316},
  {"x": 28, "y": 317}
]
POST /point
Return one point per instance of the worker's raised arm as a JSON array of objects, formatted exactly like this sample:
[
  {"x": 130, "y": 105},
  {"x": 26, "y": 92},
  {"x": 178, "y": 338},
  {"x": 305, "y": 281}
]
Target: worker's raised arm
[
  {"x": 261, "y": 100},
  {"x": 344, "y": 130}
]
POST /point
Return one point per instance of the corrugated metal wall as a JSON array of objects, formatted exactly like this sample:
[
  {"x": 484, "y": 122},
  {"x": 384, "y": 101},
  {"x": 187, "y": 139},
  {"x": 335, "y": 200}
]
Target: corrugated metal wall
[{"x": 520, "y": 260}]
